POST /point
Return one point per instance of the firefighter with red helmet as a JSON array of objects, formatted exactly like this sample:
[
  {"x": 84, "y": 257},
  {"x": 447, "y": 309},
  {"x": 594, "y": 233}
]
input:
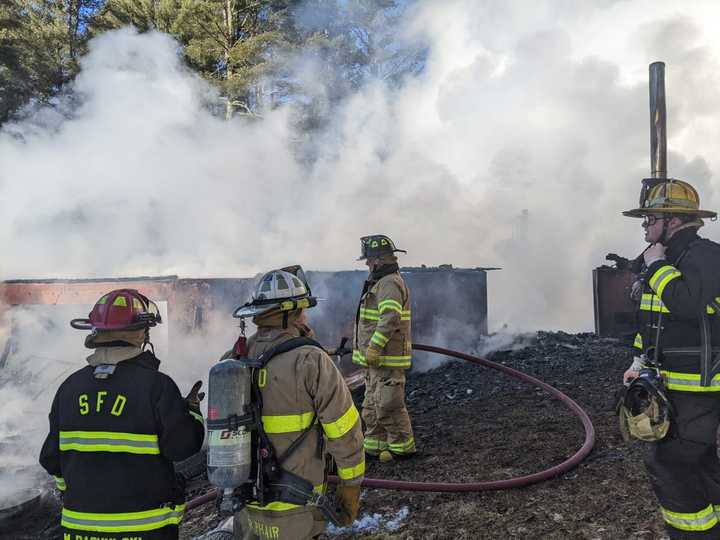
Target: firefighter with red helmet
[
  {"x": 382, "y": 343},
  {"x": 116, "y": 427},
  {"x": 673, "y": 397}
]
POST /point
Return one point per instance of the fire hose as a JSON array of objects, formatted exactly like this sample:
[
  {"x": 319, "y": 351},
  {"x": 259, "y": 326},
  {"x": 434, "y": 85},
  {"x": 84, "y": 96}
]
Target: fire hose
[{"x": 457, "y": 487}]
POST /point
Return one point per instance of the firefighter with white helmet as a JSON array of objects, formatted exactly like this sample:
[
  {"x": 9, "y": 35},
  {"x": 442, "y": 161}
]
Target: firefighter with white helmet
[
  {"x": 673, "y": 395},
  {"x": 382, "y": 343},
  {"x": 116, "y": 427},
  {"x": 307, "y": 416}
]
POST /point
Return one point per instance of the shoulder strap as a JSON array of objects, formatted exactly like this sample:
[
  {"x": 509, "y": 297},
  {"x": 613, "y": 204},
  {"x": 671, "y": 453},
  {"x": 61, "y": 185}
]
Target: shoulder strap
[
  {"x": 263, "y": 361},
  {"x": 284, "y": 347}
]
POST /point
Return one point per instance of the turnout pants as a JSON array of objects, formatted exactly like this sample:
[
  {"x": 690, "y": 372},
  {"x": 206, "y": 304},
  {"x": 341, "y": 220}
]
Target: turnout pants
[
  {"x": 387, "y": 423},
  {"x": 684, "y": 469},
  {"x": 302, "y": 523}
]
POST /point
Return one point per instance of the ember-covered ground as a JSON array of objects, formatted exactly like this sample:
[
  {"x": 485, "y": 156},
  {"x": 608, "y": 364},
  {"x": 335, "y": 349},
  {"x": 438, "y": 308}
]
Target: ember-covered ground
[{"x": 475, "y": 424}]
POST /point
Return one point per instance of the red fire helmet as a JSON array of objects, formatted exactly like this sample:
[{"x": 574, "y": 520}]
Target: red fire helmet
[{"x": 121, "y": 309}]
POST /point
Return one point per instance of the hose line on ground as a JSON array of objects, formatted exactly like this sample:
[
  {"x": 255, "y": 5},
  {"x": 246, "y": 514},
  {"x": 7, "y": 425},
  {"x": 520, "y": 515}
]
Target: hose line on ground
[{"x": 456, "y": 487}]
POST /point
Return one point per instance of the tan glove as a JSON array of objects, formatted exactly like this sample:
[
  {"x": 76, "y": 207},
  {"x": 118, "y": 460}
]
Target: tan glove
[
  {"x": 372, "y": 357},
  {"x": 348, "y": 497},
  {"x": 194, "y": 397}
]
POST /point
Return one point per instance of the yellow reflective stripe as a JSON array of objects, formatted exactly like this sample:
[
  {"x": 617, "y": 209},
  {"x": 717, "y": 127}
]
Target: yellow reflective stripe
[
  {"x": 402, "y": 447},
  {"x": 638, "y": 341},
  {"x": 109, "y": 441},
  {"x": 350, "y": 473},
  {"x": 197, "y": 417},
  {"x": 652, "y": 302},
  {"x": 146, "y": 520},
  {"x": 359, "y": 358},
  {"x": 338, "y": 428},
  {"x": 691, "y": 521},
  {"x": 661, "y": 278},
  {"x": 389, "y": 301},
  {"x": 689, "y": 382},
  {"x": 405, "y": 315},
  {"x": 390, "y": 304},
  {"x": 378, "y": 338},
  {"x": 396, "y": 361},
  {"x": 369, "y": 314},
  {"x": 372, "y": 443},
  {"x": 276, "y": 506},
  {"x": 60, "y": 483},
  {"x": 287, "y": 423}
]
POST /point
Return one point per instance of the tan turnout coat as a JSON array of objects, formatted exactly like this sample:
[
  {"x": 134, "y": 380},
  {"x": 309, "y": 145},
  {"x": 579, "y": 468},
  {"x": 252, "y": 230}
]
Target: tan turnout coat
[
  {"x": 298, "y": 385},
  {"x": 383, "y": 321}
]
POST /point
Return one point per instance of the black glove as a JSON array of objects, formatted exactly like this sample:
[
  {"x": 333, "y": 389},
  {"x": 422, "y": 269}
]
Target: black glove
[{"x": 195, "y": 396}]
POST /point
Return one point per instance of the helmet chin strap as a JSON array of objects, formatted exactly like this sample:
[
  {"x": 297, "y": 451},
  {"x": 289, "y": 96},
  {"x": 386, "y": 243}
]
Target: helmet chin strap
[{"x": 663, "y": 235}]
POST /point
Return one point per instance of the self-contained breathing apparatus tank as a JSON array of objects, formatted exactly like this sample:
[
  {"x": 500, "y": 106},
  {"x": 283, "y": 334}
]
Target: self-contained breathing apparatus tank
[{"x": 230, "y": 442}]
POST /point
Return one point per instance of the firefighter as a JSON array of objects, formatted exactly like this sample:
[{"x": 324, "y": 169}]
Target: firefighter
[
  {"x": 308, "y": 415},
  {"x": 679, "y": 336},
  {"x": 382, "y": 343},
  {"x": 117, "y": 425}
]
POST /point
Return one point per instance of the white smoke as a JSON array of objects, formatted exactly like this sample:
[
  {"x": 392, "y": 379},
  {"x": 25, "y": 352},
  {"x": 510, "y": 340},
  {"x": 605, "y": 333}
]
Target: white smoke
[
  {"x": 513, "y": 111},
  {"x": 539, "y": 106}
]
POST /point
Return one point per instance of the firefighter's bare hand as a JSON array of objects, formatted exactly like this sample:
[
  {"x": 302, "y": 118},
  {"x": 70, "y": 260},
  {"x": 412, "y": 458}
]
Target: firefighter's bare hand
[
  {"x": 195, "y": 396},
  {"x": 349, "y": 498},
  {"x": 372, "y": 357},
  {"x": 654, "y": 253},
  {"x": 629, "y": 375}
]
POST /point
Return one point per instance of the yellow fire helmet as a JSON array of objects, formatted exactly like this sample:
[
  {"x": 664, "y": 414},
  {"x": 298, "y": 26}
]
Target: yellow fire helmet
[
  {"x": 668, "y": 196},
  {"x": 645, "y": 412}
]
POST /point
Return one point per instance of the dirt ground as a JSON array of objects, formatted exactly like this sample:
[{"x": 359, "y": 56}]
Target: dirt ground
[{"x": 473, "y": 424}]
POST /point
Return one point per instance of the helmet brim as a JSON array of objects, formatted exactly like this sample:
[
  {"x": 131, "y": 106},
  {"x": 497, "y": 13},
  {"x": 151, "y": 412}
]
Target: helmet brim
[
  {"x": 249, "y": 310},
  {"x": 642, "y": 212},
  {"x": 364, "y": 257},
  {"x": 81, "y": 324}
]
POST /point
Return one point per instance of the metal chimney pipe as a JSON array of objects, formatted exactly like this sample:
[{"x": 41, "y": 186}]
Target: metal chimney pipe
[{"x": 658, "y": 121}]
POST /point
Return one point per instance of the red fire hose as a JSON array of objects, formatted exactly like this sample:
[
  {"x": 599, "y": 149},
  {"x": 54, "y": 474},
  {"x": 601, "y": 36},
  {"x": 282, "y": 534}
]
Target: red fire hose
[{"x": 457, "y": 487}]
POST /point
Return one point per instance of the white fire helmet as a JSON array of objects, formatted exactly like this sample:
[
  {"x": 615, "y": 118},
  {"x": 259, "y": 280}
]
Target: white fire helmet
[{"x": 285, "y": 289}]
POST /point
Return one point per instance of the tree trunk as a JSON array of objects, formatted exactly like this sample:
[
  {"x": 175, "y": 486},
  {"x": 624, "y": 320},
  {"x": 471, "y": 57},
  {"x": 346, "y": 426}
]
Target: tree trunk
[{"x": 229, "y": 41}]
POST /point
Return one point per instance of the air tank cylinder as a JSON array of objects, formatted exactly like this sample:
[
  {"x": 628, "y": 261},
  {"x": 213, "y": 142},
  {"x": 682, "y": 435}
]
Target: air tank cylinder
[{"x": 229, "y": 451}]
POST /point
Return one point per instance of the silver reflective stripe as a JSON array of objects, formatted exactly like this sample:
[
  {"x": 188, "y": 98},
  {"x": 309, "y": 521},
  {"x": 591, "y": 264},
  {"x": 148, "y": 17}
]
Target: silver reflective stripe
[
  {"x": 111, "y": 442},
  {"x": 165, "y": 516},
  {"x": 699, "y": 521}
]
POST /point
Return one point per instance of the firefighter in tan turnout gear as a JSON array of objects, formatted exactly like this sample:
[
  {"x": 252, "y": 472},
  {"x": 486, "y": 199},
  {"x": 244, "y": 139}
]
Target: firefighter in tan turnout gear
[
  {"x": 307, "y": 414},
  {"x": 382, "y": 343}
]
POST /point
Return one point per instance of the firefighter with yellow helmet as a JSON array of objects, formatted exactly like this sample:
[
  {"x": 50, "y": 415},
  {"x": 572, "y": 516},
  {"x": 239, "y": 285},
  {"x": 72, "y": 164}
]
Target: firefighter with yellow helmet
[
  {"x": 307, "y": 417},
  {"x": 382, "y": 343},
  {"x": 673, "y": 394}
]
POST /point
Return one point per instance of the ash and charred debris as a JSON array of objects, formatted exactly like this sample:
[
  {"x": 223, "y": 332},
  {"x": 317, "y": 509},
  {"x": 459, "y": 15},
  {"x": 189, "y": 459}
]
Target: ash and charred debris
[{"x": 545, "y": 355}]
